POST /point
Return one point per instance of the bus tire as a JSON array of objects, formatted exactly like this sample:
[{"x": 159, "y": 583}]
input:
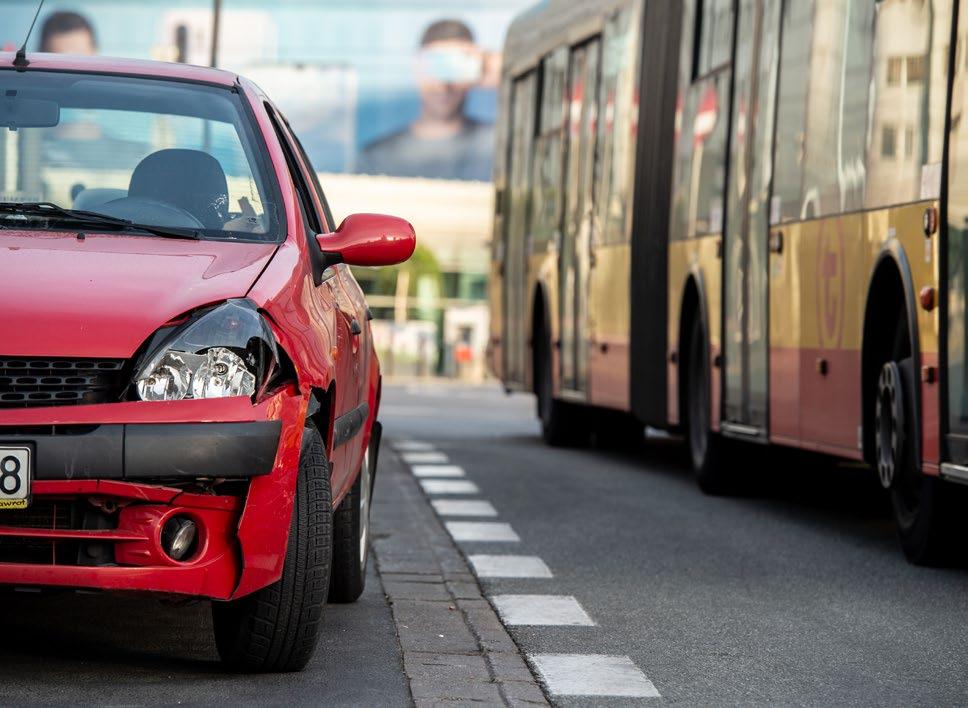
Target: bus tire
[
  {"x": 618, "y": 431},
  {"x": 275, "y": 629},
  {"x": 562, "y": 424},
  {"x": 925, "y": 508},
  {"x": 706, "y": 448}
]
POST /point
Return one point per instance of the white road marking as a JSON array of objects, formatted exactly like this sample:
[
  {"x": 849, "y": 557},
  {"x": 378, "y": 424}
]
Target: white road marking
[
  {"x": 418, "y": 458},
  {"x": 557, "y": 610},
  {"x": 412, "y": 446},
  {"x": 449, "y": 486},
  {"x": 509, "y": 566},
  {"x": 463, "y": 507},
  {"x": 592, "y": 675},
  {"x": 437, "y": 471},
  {"x": 481, "y": 531}
]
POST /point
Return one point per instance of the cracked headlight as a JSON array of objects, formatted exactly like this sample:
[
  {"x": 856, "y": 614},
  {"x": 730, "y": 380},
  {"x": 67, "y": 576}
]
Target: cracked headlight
[{"x": 226, "y": 351}]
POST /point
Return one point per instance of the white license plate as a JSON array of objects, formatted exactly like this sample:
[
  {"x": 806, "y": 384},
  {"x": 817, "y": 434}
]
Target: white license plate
[{"x": 15, "y": 476}]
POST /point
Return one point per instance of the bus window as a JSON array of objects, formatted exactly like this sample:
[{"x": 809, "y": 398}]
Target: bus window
[
  {"x": 515, "y": 225},
  {"x": 865, "y": 121},
  {"x": 702, "y": 116},
  {"x": 616, "y": 129},
  {"x": 714, "y": 36},
  {"x": 791, "y": 122},
  {"x": 548, "y": 168},
  {"x": 907, "y": 113}
]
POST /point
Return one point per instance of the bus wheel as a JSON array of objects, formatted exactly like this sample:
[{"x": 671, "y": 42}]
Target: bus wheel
[
  {"x": 925, "y": 507},
  {"x": 562, "y": 424},
  {"x": 705, "y": 447}
]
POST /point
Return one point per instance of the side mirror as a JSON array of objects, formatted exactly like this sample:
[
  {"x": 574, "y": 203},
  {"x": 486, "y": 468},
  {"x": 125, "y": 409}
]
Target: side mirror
[{"x": 369, "y": 240}]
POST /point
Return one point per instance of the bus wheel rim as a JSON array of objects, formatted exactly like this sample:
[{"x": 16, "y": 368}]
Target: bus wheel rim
[{"x": 889, "y": 424}]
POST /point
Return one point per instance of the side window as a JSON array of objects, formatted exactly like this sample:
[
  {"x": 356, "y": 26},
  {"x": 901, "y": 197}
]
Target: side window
[
  {"x": 865, "y": 129},
  {"x": 714, "y": 36},
  {"x": 549, "y": 146},
  {"x": 306, "y": 205},
  {"x": 616, "y": 131},
  {"x": 330, "y": 224},
  {"x": 908, "y": 91}
]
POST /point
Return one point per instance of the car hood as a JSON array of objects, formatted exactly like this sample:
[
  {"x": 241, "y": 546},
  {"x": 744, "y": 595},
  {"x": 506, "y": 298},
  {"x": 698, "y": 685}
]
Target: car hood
[{"x": 104, "y": 295}]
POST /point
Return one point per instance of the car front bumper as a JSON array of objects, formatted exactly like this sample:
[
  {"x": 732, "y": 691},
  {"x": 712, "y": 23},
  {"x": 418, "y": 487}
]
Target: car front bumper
[{"x": 129, "y": 463}]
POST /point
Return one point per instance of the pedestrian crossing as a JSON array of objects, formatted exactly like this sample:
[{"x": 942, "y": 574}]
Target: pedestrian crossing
[{"x": 564, "y": 675}]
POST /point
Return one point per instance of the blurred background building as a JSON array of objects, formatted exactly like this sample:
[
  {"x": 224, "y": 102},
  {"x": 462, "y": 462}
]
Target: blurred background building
[{"x": 395, "y": 102}]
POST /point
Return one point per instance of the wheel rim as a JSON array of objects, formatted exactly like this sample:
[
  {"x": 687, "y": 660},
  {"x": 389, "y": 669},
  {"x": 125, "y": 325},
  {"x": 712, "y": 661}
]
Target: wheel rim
[
  {"x": 365, "y": 508},
  {"x": 889, "y": 424},
  {"x": 906, "y": 477}
]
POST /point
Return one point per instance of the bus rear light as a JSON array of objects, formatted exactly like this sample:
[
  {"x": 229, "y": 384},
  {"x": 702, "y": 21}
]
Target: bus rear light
[{"x": 927, "y": 298}]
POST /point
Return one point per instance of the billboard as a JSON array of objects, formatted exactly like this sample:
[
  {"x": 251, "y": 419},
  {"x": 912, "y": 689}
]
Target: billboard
[{"x": 405, "y": 88}]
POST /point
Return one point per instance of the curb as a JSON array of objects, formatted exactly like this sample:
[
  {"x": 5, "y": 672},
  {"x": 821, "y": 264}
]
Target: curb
[{"x": 455, "y": 648}]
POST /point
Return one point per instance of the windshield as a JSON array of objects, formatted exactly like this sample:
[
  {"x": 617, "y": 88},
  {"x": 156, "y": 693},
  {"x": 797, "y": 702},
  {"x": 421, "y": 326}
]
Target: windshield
[{"x": 153, "y": 152}]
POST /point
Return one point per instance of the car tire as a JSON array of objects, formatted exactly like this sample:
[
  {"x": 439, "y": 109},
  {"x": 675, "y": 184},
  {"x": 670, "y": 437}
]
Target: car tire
[
  {"x": 706, "y": 448},
  {"x": 351, "y": 538},
  {"x": 925, "y": 507},
  {"x": 275, "y": 629}
]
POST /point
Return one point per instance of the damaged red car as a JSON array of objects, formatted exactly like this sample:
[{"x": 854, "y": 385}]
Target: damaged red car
[{"x": 188, "y": 384}]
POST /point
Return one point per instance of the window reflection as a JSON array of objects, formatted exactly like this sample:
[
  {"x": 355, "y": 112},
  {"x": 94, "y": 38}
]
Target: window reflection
[{"x": 864, "y": 128}]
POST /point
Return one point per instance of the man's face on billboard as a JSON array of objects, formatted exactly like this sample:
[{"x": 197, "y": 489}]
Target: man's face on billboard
[
  {"x": 446, "y": 71},
  {"x": 77, "y": 41}
]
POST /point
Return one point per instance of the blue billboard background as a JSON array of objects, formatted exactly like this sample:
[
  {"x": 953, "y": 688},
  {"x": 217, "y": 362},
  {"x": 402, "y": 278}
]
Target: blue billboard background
[{"x": 347, "y": 73}]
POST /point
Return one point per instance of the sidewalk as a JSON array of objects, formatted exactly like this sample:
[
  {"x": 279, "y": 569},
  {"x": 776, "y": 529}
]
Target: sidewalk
[{"x": 455, "y": 649}]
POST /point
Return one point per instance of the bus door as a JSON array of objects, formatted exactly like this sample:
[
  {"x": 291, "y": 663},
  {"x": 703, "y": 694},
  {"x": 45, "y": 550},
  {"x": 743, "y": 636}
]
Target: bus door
[
  {"x": 575, "y": 258},
  {"x": 745, "y": 249},
  {"x": 515, "y": 250}
]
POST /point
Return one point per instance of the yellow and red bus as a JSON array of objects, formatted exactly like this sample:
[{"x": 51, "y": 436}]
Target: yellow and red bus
[{"x": 747, "y": 221}]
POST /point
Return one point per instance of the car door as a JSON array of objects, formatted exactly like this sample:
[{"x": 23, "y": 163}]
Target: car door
[
  {"x": 351, "y": 304},
  {"x": 336, "y": 310}
]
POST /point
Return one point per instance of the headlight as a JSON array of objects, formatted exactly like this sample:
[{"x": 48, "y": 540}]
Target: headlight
[{"x": 226, "y": 351}]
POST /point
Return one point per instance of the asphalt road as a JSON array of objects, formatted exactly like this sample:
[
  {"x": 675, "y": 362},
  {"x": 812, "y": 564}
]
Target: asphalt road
[
  {"x": 794, "y": 594},
  {"x": 74, "y": 649}
]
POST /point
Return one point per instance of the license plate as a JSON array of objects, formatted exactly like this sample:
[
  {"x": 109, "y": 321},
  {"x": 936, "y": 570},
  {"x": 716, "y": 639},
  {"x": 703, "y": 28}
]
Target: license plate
[{"x": 15, "y": 476}]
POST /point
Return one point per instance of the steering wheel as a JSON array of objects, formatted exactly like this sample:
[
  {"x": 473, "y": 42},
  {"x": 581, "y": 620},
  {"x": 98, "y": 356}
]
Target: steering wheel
[{"x": 143, "y": 210}]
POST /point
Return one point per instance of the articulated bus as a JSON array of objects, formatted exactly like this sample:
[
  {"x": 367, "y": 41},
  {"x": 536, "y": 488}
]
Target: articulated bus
[{"x": 746, "y": 221}]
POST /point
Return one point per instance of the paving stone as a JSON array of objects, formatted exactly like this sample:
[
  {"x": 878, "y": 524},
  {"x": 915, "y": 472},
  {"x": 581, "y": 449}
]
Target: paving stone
[
  {"x": 487, "y": 626},
  {"x": 412, "y": 577},
  {"x": 523, "y": 693},
  {"x": 464, "y": 590},
  {"x": 416, "y": 591},
  {"x": 439, "y": 691},
  {"x": 432, "y": 627},
  {"x": 509, "y": 666},
  {"x": 459, "y": 703}
]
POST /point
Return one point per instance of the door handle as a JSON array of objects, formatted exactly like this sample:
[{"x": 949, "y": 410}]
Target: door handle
[{"x": 355, "y": 327}]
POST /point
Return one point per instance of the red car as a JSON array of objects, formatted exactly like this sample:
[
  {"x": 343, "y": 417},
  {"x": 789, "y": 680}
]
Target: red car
[{"x": 188, "y": 385}]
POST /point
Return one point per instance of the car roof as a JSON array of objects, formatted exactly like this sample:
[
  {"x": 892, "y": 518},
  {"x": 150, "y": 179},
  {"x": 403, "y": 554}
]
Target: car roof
[{"x": 128, "y": 67}]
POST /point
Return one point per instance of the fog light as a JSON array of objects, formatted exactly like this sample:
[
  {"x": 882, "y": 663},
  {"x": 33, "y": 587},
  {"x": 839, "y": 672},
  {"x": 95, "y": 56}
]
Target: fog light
[{"x": 179, "y": 537}]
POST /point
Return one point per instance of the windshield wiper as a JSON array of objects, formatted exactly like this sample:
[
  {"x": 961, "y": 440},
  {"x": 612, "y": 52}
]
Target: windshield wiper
[{"x": 92, "y": 219}]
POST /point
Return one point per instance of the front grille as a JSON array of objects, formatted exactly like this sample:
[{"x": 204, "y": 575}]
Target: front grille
[
  {"x": 30, "y": 382},
  {"x": 40, "y": 515},
  {"x": 55, "y": 515}
]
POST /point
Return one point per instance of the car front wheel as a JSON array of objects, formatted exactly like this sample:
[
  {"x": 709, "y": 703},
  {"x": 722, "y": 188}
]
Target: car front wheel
[{"x": 275, "y": 629}]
